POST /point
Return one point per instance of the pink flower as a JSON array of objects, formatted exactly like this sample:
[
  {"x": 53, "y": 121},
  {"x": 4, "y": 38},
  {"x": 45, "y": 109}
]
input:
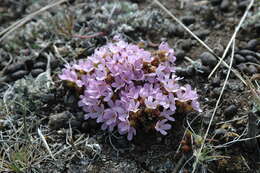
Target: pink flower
[
  {"x": 161, "y": 126},
  {"x": 84, "y": 65},
  {"x": 121, "y": 80},
  {"x": 169, "y": 52},
  {"x": 150, "y": 102},
  {"x": 70, "y": 75},
  {"x": 186, "y": 94},
  {"x": 167, "y": 114},
  {"x": 124, "y": 127}
]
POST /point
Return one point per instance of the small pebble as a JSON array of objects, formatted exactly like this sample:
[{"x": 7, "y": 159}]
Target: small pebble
[
  {"x": 224, "y": 6},
  {"x": 188, "y": 20},
  {"x": 59, "y": 120},
  {"x": 220, "y": 132},
  {"x": 202, "y": 34},
  {"x": 186, "y": 45},
  {"x": 230, "y": 111},
  {"x": 19, "y": 74},
  {"x": 36, "y": 72},
  {"x": 14, "y": 67},
  {"x": 246, "y": 52},
  {"x": 208, "y": 59},
  {"x": 252, "y": 69},
  {"x": 239, "y": 58},
  {"x": 251, "y": 59},
  {"x": 40, "y": 65},
  {"x": 242, "y": 67},
  {"x": 180, "y": 54},
  {"x": 252, "y": 44},
  {"x": 177, "y": 30}
]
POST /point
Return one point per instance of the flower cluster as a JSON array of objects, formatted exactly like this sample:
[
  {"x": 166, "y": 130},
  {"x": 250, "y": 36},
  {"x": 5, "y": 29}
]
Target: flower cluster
[{"x": 128, "y": 88}]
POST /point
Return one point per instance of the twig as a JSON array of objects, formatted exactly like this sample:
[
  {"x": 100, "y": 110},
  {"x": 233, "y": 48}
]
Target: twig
[
  {"x": 232, "y": 38},
  {"x": 45, "y": 143},
  {"x": 235, "y": 141},
  {"x": 236, "y": 119},
  {"x": 215, "y": 109}
]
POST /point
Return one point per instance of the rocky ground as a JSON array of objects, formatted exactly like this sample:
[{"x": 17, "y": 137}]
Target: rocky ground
[{"x": 42, "y": 129}]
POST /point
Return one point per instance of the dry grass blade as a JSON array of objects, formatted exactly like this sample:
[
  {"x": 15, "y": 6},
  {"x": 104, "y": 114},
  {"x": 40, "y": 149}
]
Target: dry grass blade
[
  {"x": 232, "y": 38},
  {"x": 215, "y": 109},
  {"x": 199, "y": 40},
  {"x": 21, "y": 22},
  {"x": 45, "y": 142}
]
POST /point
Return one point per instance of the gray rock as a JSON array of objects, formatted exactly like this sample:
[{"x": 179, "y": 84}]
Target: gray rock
[
  {"x": 239, "y": 58},
  {"x": 202, "y": 34},
  {"x": 230, "y": 111},
  {"x": 177, "y": 30},
  {"x": 251, "y": 58},
  {"x": 59, "y": 120},
  {"x": 208, "y": 59},
  {"x": 36, "y": 72},
  {"x": 220, "y": 132},
  {"x": 41, "y": 65},
  {"x": 186, "y": 45},
  {"x": 252, "y": 69},
  {"x": 246, "y": 52},
  {"x": 14, "y": 67},
  {"x": 188, "y": 20},
  {"x": 252, "y": 44},
  {"x": 18, "y": 74},
  {"x": 180, "y": 54},
  {"x": 242, "y": 67},
  {"x": 224, "y": 6},
  {"x": 5, "y": 79}
]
